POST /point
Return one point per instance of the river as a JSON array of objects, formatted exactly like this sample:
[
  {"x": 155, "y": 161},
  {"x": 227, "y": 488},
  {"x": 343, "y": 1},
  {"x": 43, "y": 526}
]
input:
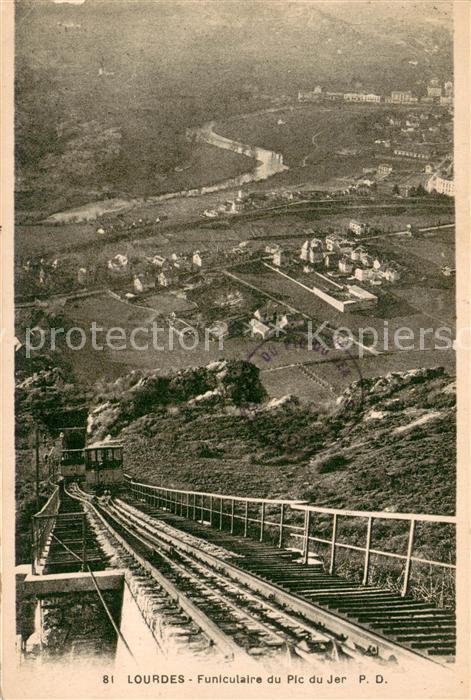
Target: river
[{"x": 268, "y": 164}]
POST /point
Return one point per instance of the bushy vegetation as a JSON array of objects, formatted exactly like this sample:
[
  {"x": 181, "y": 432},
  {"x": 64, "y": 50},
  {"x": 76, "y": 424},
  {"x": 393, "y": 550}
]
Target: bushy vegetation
[{"x": 106, "y": 90}]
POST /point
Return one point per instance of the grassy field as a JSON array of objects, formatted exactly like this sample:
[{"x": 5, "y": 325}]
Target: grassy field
[
  {"x": 107, "y": 310},
  {"x": 435, "y": 248}
]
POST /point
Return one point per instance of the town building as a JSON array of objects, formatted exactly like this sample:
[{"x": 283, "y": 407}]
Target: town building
[
  {"x": 311, "y": 251},
  {"x": 377, "y": 264},
  {"x": 331, "y": 259},
  {"x": 357, "y": 227},
  {"x": 334, "y": 96},
  {"x": 137, "y": 284},
  {"x": 434, "y": 91},
  {"x": 364, "y": 275},
  {"x": 310, "y": 95},
  {"x": 361, "y": 97},
  {"x": 412, "y": 152},
  {"x": 441, "y": 185},
  {"x": 271, "y": 314},
  {"x": 357, "y": 253},
  {"x": 157, "y": 260},
  {"x": 366, "y": 259},
  {"x": 197, "y": 259},
  {"x": 332, "y": 242},
  {"x": 384, "y": 170},
  {"x": 345, "y": 265},
  {"x": 118, "y": 263},
  {"x": 259, "y": 328},
  {"x": 401, "y": 97},
  {"x": 391, "y": 274},
  {"x": 166, "y": 278},
  {"x": 277, "y": 258}
]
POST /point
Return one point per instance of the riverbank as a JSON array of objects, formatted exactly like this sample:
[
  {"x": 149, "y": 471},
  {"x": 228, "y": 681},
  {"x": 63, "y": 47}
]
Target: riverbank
[{"x": 267, "y": 164}]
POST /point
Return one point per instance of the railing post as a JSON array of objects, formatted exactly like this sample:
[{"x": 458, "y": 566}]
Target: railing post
[
  {"x": 332, "y": 546},
  {"x": 282, "y": 519},
  {"x": 410, "y": 549},
  {"x": 210, "y": 511},
  {"x": 188, "y": 505},
  {"x": 221, "y": 513},
  {"x": 246, "y": 518},
  {"x": 202, "y": 509},
  {"x": 307, "y": 525},
  {"x": 194, "y": 506},
  {"x": 262, "y": 521},
  {"x": 232, "y": 516},
  {"x": 84, "y": 542},
  {"x": 366, "y": 568},
  {"x": 33, "y": 547}
]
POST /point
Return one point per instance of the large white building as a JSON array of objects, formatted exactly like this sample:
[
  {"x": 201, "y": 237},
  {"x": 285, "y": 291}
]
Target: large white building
[
  {"x": 441, "y": 185},
  {"x": 361, "y": 97}
]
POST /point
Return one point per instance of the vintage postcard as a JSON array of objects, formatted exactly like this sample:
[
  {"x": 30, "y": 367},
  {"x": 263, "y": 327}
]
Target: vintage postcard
[{"x": 235, "y": 347}]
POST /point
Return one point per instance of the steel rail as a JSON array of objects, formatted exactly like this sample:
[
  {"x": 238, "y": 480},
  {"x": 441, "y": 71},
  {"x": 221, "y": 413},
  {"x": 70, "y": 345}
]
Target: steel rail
[
  {"x": 209, "y": 628},
  {"x": 321, "y": 638},
  {"x": 363, "y": 639}
]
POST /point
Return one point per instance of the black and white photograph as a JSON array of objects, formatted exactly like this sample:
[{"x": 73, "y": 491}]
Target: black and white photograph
[{"x": 236, "y": 258}]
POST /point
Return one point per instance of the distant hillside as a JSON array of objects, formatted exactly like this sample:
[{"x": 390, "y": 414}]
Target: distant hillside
[
  {"x": 389, "y": 444},
  {"x": 106, "y": 89}
]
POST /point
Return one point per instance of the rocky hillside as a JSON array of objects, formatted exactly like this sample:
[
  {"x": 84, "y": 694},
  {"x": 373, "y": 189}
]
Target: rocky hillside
[{"x": 388, "y": 444}]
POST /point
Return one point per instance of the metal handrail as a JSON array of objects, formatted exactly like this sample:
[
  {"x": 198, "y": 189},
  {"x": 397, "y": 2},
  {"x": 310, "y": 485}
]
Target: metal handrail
[
  {"x": 378, "y": 514},
  {"x": 42, "y": 524},
  {"x": 226, "y": 497},
  {"x": 192, "y": 504}
]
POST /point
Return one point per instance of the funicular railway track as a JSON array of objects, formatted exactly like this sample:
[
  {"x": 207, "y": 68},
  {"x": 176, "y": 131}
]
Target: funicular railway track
[{"x": 255, "y": 600}]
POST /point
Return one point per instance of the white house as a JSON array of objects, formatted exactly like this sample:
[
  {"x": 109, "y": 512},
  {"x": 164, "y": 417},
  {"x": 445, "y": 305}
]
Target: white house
[
  {"x": 137, "y": 284},
  {"x": 82, "y": 275},
  {"x": 118, "y": 263},
  {"x": 377, "y": 264},
  {"x": 357, "y": 227},
  {"x": 259, "y": 328},
  {"x": 158, "y": 260},
  {"x": 277, "y": 258},
  {"x": 366, "y": 259},
  {"x": 165, "y": 278},
  {"x": 333, "y": 242},
  {"x": 197, "y": 259},
  {"x": 391, "y": 274},
  {"x": 364, "y": 275},
  {"x": 357, "y": 253}
]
